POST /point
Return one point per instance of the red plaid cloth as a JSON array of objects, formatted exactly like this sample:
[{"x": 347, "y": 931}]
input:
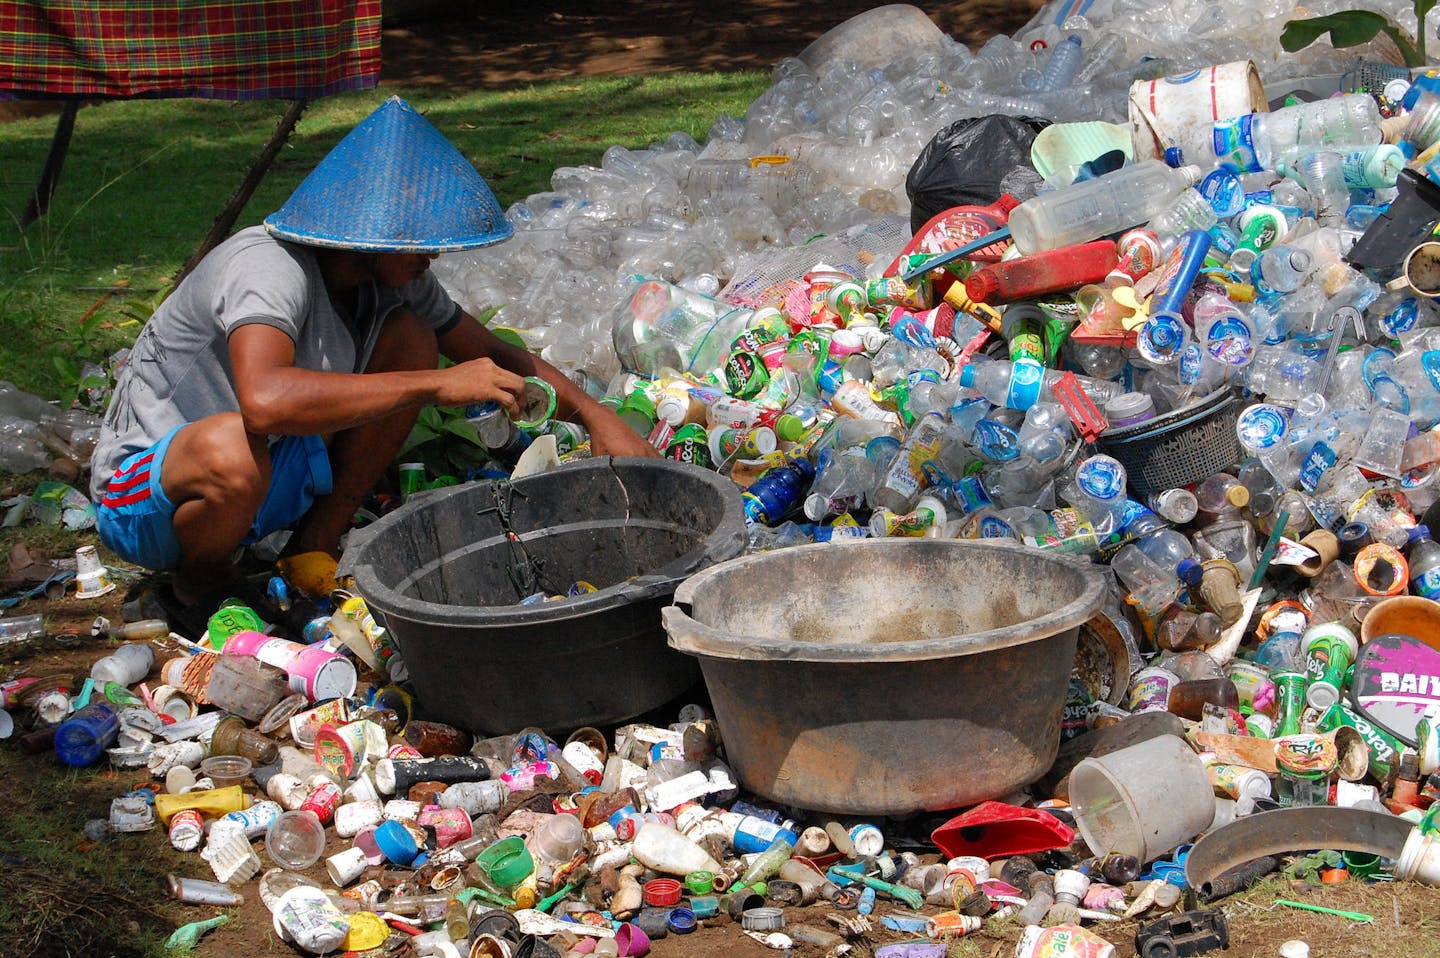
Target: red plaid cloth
[{"x": 217, "y": 49}]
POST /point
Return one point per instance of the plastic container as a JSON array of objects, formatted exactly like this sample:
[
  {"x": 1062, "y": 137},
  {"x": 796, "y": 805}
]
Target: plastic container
[
  {"x": 1179, "y": 448},
  {"x": 1107, "y": 204},
  {"x": 1143, "y": 800},
  {"x": 225, "y": 770},
  {"x": 818, "y": 689},
  {"x": 295, "y": 840},
  {"x": 436, "y": 570},
  {"x": 83, "y": 737},
  {"x": 127, "y": 665}
]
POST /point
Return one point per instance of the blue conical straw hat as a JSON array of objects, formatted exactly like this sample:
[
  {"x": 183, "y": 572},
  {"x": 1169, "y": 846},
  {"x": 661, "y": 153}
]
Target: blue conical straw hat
[{"x": 393, "y": 185}]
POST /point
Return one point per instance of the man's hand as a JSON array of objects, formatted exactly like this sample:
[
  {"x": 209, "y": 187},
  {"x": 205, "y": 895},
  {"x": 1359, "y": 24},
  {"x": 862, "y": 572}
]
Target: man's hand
[
  {"x": 479, "y": 380},
  {"x": 609, "y": 436}
]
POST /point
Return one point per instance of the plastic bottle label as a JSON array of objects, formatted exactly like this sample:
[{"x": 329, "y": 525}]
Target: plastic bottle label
[
  {"x": 1262, "y": 426},
  {"x": 996, "y": 441},
  {"x": 1430, "y": 362},
  {"x": 1427, "y": 583},
  {"x": 1192, "y": 361},
  {"x": 1320, "y": 458},
  {"x": 1025, "y": 381},
  {"x": 1402, "y": 318},
  {"x": 1231, "y": 341},
  {"x": 1234, "y": 144},
  {"x": 993, "y": 528}
]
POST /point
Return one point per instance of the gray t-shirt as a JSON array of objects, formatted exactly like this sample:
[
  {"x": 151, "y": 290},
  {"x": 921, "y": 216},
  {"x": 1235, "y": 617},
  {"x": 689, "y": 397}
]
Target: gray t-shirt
[{"x": 179, "y": 369}]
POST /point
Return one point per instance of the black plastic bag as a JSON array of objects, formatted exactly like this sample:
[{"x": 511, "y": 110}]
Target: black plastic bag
[{"x": 971, "y": 162}]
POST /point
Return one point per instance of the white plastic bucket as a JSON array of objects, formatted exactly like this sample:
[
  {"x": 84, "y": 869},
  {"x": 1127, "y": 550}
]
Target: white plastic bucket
[
  {"x": 1143, "y": 800},
  {"x": 1181, "y": 110}
]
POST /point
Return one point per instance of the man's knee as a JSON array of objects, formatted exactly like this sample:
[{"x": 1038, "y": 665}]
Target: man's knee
[
  {"x": 406, "y": 342},
  {"x": 219, "y": 461}
]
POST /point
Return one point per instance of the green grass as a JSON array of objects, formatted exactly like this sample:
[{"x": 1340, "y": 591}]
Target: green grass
[
  {"x": 144, "y": 180},
  {"x": 62, "y": 895}
]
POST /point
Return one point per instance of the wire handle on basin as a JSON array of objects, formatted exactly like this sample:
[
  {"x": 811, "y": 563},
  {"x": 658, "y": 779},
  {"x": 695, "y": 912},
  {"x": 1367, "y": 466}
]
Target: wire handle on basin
[{"x": 524, "y": 570}]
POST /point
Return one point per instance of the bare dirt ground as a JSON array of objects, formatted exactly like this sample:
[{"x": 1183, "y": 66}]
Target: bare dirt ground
[{"x": 104, "y": 908}]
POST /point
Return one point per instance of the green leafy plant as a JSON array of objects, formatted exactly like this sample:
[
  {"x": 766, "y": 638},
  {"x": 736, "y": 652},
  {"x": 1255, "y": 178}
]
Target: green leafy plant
[{"x": 1350, "y": 28}]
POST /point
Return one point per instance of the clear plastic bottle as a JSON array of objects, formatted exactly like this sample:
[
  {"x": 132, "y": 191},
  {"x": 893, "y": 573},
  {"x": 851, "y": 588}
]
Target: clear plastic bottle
[
  {"x": 23, "y": 454},
  {"x": 1107, "y": 204},
  {"x": 1099, "y": 492},
  {"x": 1151, "y": 587},
  {"x": 1183, "y": 630},
  {"x": 1189, "y": 211},
  {"x": 841, "y": 481},
  {"x": 1023, "y": 384},
  {"x": 900, "y": 484},
  {"x": 1217, "y": 495},
  {"x": 1255, "y": 141},
  {"x": 1283, "y": 268},
  {"x": 1424, "y": 556},
  {"x": 1062, "y": 66}
]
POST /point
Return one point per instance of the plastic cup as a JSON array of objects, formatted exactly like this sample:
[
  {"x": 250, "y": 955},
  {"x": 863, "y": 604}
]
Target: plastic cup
[
  {"x": 1144, "y": 800},
  {"x": 226, "y": 770},
  {"x": 296, "y": 840},
  {"x": 1150, "y": 689}
]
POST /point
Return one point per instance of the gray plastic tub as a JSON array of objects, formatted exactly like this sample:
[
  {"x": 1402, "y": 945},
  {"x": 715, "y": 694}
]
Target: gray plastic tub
[
  {"x": 887, "y": 676},
  {"x": 436, "y": 571}
]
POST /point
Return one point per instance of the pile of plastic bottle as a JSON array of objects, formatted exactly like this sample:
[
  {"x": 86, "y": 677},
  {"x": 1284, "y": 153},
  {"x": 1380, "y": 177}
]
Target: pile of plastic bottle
[{"x": 1185, "y": 370}]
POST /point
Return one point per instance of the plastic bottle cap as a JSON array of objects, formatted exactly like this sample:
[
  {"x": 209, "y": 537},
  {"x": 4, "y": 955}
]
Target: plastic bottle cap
[
  {"x": 1190, "y": 571},
  {"x": 762, "y": 919},
  {"x": 661, "y": 892},
  {"x": 681, "y": 921},
  {"x": 981, "y": 285},
  {"x": 1238, "y": 496}
]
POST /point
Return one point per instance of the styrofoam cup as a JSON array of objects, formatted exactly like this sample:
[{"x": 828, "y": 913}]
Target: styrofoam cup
[{"x": 344, "y": 867}]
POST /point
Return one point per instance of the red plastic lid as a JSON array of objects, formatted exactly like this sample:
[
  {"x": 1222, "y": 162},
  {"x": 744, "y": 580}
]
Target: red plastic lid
[
  {"x": 993, "y": 830},
  {"x": 661, "y": 892}
]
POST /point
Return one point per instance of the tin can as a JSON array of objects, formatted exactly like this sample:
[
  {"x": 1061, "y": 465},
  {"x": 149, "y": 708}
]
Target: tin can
[
  {"x": 1329, "y": 650},
  {"x": 1384, "y": 748},
  {"x": 187, "y": 827},
  {"x": 537, "y": 403},
  {"x": 745, "y": 374},
  {"x": 894, "y": 291},
  {"x": 691, "y": 443},
  {"x": 1290, "y": 696},
  {"x": 323, "y": 801}
]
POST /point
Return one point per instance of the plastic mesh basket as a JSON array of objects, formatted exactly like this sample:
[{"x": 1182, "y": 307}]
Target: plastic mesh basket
[{"x": 1178, "y": 448}]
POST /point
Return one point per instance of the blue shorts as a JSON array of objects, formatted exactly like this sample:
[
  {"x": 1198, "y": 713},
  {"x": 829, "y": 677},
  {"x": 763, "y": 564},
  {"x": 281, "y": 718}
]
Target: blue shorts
[{"x": 136, "y": 517}]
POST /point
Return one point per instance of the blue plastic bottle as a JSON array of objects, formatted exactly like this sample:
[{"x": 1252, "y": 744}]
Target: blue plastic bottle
[
  {"x": 777, "y": 491},
  {"x": 81, "y": 739},
  {"x": 754, "y": 835}
]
